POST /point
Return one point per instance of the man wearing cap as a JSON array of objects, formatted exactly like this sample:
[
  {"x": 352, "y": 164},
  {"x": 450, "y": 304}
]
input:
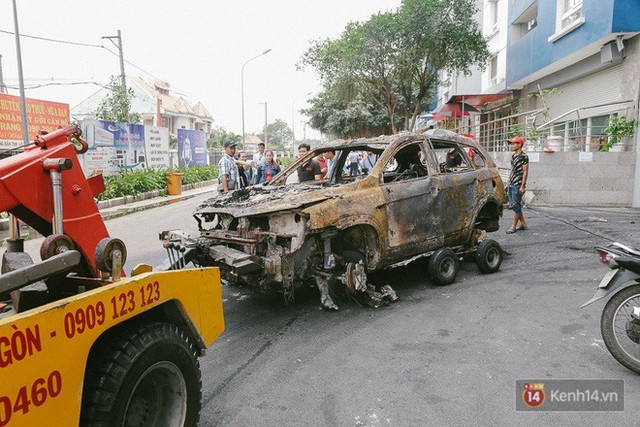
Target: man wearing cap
[
  {"x": 228, "y": 176},
  {"x": 517, "y": 182}
]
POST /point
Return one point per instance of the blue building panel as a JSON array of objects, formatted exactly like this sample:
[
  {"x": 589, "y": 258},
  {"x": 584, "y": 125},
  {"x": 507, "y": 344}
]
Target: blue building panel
[
  {"x": 626, "y": 16},
  {"x": 533, "y": 51}
]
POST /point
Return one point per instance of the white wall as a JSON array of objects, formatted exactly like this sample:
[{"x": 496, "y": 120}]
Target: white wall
[{"x": 561, "y": 179}]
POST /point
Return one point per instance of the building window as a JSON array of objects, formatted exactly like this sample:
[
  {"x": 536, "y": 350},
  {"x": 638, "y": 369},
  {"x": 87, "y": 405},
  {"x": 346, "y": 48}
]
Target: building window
[
  {"x": 525, "y": 23},
  {"x": 570, "y": 12},
  {"x": 493, "y": 15},
  {"x": 493, "y": 70}
]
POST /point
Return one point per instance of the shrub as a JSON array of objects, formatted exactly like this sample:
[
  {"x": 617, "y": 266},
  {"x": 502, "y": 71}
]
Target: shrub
[{"x": 134, "y": 183}]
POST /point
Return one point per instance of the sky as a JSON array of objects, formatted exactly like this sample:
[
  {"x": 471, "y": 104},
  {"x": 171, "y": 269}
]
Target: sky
[{"x": 198, "y": 46}]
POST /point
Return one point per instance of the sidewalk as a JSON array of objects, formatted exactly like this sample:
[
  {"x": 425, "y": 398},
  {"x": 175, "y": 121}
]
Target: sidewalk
[{"x": 122, "y": 206}]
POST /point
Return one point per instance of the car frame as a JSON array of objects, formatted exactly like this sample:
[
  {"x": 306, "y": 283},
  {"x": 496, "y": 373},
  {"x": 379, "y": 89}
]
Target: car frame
[{"x": 336, "y": 230}]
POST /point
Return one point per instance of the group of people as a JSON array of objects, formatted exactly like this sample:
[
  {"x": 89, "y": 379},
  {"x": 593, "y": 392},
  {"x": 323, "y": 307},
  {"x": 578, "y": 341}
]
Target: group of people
[
  {"x": 236, "y": 171},
  {"x": 358, "y": 163}
]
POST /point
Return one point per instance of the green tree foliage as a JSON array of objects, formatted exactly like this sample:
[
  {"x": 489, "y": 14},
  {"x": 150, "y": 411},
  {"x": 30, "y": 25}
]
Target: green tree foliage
[
  {"x": 219, "y": 135},
  {"x": 279, "y": 133},
  {"x": 391, "y": 62},
  {"x": 116, "y": 106},
  {"x": 338, "y": 118}
]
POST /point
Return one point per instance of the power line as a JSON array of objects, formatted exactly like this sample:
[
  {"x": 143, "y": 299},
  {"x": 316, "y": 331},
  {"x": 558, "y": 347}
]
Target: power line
[
  {"x": 37, "y": 86},
  {"x": 52, "y": 40},
  {"x": 174, "y": 88}
]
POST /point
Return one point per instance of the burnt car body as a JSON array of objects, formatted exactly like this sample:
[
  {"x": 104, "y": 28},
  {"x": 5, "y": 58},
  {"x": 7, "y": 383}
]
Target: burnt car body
[{"x": 412, "y": 202}]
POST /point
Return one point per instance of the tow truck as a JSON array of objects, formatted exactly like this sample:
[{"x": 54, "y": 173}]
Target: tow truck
[{"x": 80, "y": 343}]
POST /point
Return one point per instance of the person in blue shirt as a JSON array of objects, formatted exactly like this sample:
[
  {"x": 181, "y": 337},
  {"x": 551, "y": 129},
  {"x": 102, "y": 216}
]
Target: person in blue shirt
[{"x": 267, "y": 169}]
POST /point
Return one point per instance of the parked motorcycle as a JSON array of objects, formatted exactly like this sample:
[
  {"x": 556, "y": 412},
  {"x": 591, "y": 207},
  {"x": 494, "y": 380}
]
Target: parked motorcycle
[{"x": 620, "y": 322}]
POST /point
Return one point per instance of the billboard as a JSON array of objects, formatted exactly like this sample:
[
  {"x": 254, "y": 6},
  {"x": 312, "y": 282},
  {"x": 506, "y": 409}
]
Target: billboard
[
  {"x": 113, "y": 146},
  {"x": 192, "y": 148},
  {"x": 156, "y": 141},
  {"x": 41, "y": 115}
]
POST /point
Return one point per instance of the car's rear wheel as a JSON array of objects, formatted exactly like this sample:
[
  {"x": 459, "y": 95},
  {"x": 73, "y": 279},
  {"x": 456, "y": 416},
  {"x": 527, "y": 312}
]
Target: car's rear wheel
[
  {"x": 489, "y": 256},
  {"x": 443, "y": 266}
]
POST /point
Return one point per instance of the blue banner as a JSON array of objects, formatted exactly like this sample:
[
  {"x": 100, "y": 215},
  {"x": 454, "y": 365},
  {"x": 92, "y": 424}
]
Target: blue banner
[{"x": 192, "y": 148}]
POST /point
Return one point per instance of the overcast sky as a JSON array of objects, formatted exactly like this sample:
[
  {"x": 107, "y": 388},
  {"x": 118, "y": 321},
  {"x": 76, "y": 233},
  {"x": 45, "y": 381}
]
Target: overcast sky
[{"x": 197, "y": 46}]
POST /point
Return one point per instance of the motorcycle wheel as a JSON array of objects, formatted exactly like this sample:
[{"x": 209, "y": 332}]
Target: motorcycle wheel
[{"x": 621, "y": 335}]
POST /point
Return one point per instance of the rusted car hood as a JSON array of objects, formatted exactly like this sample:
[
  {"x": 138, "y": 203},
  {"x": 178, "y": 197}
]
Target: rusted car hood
[{"x": 261, "y": 200}]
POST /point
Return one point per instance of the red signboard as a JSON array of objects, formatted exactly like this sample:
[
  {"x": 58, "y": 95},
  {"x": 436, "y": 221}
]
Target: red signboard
[{"x": 41, "y": 115}]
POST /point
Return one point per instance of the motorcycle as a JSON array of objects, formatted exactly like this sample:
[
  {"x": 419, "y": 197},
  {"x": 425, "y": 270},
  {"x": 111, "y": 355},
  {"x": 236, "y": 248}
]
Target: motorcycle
[{"x": 620, "y": 321}]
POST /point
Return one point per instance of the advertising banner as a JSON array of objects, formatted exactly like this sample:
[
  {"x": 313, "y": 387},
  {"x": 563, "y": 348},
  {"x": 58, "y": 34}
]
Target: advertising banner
[
  {"x": 113, "y": 146},
  {"x": 128, "y": 142},
  {"x": 41, "y": 115},
  {"x": 100, "y": 158},
  {"x": 156, "y": 141},
  {"x": 192, "y": 148}
]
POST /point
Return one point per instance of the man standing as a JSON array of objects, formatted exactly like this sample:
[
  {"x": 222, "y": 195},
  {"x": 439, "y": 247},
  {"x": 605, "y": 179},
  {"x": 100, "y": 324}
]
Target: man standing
[
  {"x": 310, "y": 170},
  {"x": 329, "y": 156},
  {"x": 322, "y": 161},
  {"x": 228, "y": 176},
  {"x": 517, "y": 182},
  {"x": 258, "y": 158},
  {"x": 354, "y": 157},
  {"x": 245, "y": 169},
  {"x": 368, "y": 161}
]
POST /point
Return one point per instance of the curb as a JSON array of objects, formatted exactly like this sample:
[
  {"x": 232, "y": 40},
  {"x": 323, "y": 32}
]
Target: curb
[
  {"x": 105, "y": 205},
  {"x": 119, "y": 201}
]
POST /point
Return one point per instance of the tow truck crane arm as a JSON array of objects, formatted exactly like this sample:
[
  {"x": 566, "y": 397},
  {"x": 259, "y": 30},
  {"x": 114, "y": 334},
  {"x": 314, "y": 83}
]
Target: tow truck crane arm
[{"x": 26, "y": 192}]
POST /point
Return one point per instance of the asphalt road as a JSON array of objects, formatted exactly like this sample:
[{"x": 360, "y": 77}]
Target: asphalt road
[{"x": 439, "y": 356}]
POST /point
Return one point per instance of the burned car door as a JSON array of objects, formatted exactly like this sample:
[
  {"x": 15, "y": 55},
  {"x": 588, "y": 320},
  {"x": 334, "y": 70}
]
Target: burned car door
[
  {"x": 408, "y": 189},
  {"x": 457, "y": 190}
]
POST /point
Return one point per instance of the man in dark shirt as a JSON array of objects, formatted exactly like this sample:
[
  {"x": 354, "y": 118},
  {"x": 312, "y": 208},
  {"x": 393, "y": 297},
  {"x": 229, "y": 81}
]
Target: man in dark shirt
[
  {"x": 311, "y": 170},
  {"x": 454, "y": 158}
]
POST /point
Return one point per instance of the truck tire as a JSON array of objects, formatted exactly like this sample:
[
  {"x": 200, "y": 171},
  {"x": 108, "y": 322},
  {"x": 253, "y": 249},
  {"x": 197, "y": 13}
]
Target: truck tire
[{"x": 148, "y": 376}]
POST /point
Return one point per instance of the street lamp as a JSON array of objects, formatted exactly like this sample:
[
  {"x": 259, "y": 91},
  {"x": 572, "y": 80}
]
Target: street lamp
[
  {"x": 266, "y": 138},
  {"x": 293, "y": 121},
  {"x": 242, "y": 87}
]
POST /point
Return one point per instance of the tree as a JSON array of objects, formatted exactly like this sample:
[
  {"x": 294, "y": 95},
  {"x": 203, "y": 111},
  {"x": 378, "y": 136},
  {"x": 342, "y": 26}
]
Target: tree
[
  {"x": 279, "y": 133},
  {"x": 219, "y": 135},
  {"x": 116, "y": 106},
  {"x": 338, "y": 118},
  {"x": 392, "y": 60}
]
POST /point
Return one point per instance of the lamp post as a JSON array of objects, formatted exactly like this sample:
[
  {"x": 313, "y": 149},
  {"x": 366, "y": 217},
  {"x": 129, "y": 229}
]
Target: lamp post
[
  {"x": 293, "y": 121},
  {"x": 242, "y": 87},
  {"x": 266, "y": 137}
]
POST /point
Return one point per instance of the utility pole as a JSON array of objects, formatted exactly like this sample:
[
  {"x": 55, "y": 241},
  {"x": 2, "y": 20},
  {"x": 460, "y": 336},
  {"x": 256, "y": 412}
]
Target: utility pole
[
  {"x": 23, "y": 98},
  {"x": 304, "y": 130},
  {"x": 3, "y": 87},
  {"x": 123, "y": 81}
]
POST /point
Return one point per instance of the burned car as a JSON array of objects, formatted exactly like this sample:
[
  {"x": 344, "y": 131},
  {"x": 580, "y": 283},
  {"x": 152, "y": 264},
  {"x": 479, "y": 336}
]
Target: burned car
[{"x": 434, "y": 195}]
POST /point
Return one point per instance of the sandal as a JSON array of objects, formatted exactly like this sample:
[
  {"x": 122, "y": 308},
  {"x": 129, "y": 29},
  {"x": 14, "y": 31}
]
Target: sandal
[
  {"x": 521, "y": 227},
  {"x": 511, "y": 230}
]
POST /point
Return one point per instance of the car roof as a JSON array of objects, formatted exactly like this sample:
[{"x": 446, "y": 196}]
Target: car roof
[{"x": 383, "y": 141}]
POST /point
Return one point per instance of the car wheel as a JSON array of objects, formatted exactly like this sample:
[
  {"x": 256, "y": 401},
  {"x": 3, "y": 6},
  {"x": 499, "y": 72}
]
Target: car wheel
[
  {"x": 488, "y": 256},
  {"x": 443, "y": 266},
  {"x": 146, "y": 376}
]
